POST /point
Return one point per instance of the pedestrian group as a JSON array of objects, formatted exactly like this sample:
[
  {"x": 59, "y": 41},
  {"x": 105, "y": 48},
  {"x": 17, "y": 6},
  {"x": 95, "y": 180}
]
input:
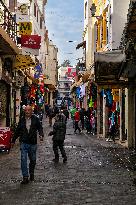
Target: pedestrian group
[{"x": 30, "y": 123}]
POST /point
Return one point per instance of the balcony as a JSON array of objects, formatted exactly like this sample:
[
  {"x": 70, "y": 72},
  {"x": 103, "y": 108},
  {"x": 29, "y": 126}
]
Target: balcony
[{"x": 8, "y": 31}]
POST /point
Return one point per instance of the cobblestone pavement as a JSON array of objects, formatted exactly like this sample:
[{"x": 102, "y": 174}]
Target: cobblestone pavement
[{"x": 97, "y": 173}]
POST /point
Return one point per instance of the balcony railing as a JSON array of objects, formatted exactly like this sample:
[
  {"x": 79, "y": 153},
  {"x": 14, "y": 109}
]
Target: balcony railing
[{"x": 7, "y": 21}]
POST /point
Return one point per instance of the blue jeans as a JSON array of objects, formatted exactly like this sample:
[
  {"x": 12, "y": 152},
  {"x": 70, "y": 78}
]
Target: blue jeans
[{"x": 30, "y": 151}]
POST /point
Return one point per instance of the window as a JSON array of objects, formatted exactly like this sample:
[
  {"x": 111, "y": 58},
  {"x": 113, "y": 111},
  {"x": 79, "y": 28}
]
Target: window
[{"x": 12, "y": 4}]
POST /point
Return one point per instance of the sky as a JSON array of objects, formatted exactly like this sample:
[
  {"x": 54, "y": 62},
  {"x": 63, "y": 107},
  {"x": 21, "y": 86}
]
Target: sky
[{"x": 64, "y": 22}]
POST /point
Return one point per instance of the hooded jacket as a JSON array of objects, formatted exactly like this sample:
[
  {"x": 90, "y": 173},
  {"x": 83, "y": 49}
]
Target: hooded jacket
[{"x": 59, "y": 129}]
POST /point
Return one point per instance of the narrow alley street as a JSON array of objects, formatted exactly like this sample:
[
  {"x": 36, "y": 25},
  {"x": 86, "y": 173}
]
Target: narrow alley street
[{"x": 97, "y": 173}]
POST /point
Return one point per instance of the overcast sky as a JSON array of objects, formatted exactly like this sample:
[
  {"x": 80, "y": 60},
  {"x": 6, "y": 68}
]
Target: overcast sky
[{"x": 64, "y": 21}]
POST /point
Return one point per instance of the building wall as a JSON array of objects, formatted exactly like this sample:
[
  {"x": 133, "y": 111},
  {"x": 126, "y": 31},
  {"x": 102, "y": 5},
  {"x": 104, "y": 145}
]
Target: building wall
[
  {"x": 107, "y": 32},
  {"x": 38, "y": 26},
  {"x": 87, "y": 34},
  {"x": 64, "y": 82},
  {"x": 51, "y": 62},
  {"x": 119, "y": 10}
]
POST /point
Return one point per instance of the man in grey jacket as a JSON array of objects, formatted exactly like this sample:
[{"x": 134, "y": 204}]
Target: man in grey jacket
[{"x": 59, "y": 132}]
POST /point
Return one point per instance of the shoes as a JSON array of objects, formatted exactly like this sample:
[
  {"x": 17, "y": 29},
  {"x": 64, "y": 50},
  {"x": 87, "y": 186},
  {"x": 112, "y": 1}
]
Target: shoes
[
  {"x": 25, "y": 180},
  {"x": 31, "y": 177},
  {"x": 65, "y": 160},
  {"x": 55, "y": 160}
]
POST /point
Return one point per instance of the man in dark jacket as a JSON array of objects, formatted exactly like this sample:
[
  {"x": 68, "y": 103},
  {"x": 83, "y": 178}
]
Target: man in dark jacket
[
  {"x": 59, "y": 131},
  {"x": 27, "y": 132}
]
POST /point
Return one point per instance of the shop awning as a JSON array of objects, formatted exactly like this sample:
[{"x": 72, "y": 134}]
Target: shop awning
[
  {"x": 76, "y": 84},
  {"x": 50, "y": 84},
  {"x": 87, "y": 76},
  {"x": 108, "y": 65},
  {"x": 24, "y": 62}
]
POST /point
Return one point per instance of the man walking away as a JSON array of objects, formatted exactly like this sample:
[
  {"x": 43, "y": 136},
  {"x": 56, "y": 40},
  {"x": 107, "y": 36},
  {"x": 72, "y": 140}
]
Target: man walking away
[
  {"x": 77, "y": 119},
  {"x": 27, "y": 132},
  {"x": 59, "y": 132}
]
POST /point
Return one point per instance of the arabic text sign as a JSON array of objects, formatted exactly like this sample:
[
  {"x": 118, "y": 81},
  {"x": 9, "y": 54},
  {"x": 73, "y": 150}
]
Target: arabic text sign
[{"x": 31, "y": 41}]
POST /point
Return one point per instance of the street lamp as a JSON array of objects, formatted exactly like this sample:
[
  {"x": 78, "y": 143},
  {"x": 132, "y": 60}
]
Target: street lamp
[
  {"x": 71, "y": 41},
  {"x": 93, "y": 11}
]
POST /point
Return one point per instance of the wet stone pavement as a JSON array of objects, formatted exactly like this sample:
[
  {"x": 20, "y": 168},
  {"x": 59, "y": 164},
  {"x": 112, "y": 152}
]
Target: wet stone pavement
[{"x": 97, "y": 173}]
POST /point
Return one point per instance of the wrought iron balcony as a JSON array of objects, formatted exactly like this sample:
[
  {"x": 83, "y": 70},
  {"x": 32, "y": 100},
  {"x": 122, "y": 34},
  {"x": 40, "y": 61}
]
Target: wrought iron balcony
[{"x": 7, "y": 21}]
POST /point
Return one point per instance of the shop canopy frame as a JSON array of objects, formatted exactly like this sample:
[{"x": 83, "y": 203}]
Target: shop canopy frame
[{"x": 107, "y": 68}]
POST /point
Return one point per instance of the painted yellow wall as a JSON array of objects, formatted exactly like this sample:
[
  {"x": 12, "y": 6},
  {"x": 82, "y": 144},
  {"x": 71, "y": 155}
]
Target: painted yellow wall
[{"x": 101, "y": 24}]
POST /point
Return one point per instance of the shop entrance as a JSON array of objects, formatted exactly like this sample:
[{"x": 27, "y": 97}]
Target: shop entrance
[{"x": 5, "y": 103}]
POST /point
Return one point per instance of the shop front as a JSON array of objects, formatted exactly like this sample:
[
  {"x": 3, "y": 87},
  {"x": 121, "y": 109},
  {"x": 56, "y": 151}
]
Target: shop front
[{"x": 110, "y": 99}]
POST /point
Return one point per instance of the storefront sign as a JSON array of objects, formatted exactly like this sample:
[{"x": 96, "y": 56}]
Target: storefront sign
[
  {"x": 22, "y": 8},
  {"x": 22, "y": 18},
  {"x": 31, "y": 41},
  {"x": 30, "y": 51},
  {"x": 23, "y": 62},
  {"x": 25, "y": 28}
]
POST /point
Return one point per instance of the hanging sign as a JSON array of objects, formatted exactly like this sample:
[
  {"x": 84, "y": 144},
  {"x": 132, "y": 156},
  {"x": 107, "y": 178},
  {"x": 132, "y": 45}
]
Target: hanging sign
[
  {"x": 31, "y": 41},
  {"x": 25, "y": 28},
  {"x": 22, "y": 8},
  {"x": 30, "y": 51},
  {"x": 22, "y": 18},
  {"x": 23, "y": 62},
  {"x": 19, "y": 80}
]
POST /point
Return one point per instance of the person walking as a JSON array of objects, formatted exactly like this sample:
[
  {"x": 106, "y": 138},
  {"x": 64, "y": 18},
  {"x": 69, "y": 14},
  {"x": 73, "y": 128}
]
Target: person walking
[
  {"x": 50, "y": 115},
  {"x": 77, "y": 119},
  {"x": 72, "y": 112},
  {"x": 82, "y": 115},
  {"x": 27, "y": 132},
  {"x": 59, "y": 132},
  {"x": 92, "y": 122}
]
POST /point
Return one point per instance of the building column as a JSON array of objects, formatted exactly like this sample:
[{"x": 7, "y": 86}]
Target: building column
[
  {"x": 121, "y": 120},
  {"x": 105, "y": 117},
  {"x": 129, "y": 117}
]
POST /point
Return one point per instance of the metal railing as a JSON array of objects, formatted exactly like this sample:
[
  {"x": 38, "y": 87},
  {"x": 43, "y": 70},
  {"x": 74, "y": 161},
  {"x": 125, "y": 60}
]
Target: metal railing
[{"x": 8, "y": 22}]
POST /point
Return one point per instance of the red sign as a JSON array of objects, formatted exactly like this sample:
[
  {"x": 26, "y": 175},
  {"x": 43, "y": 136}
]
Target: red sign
[
  {"x": 71, "y": 72},
  {"x": 31, "y": 41}
]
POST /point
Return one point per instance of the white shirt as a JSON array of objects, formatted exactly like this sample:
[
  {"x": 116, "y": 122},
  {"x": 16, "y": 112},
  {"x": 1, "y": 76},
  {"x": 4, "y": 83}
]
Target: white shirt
[{"x": 28, "y": 123}]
